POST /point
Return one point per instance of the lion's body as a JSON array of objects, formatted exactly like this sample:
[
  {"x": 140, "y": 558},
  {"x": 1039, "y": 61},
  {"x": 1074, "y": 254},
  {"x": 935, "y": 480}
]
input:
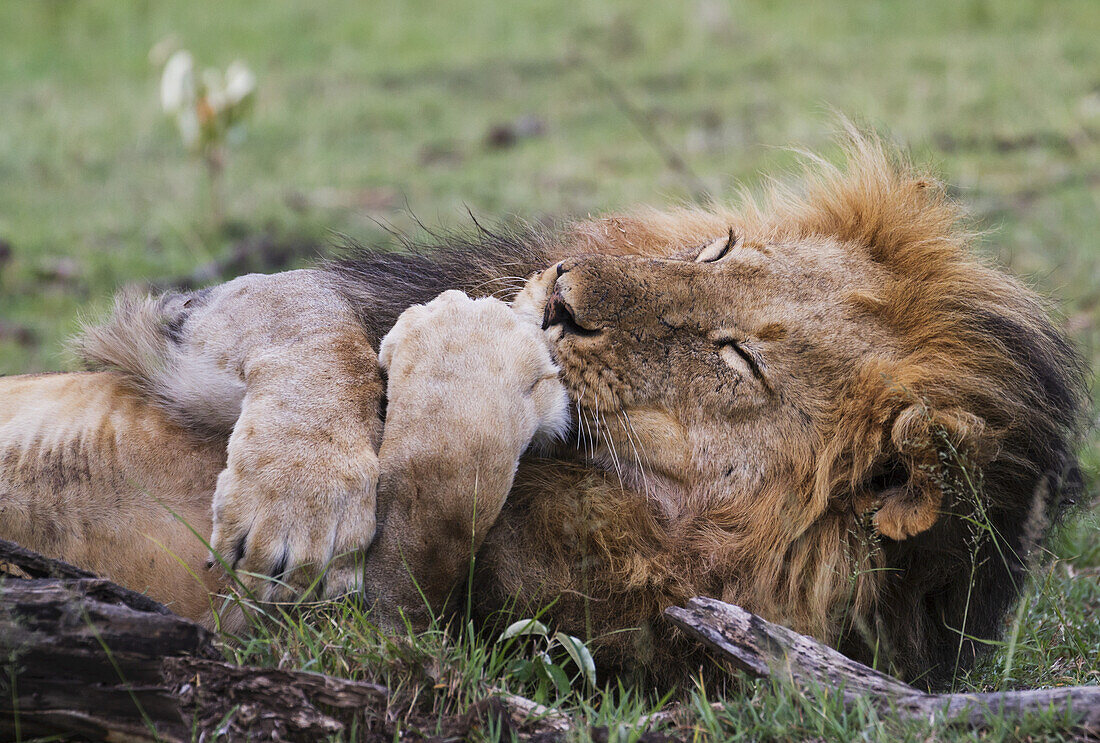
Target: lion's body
[
  {"x": 88, "y": 473},
  {"x": 806, "y": 421}
]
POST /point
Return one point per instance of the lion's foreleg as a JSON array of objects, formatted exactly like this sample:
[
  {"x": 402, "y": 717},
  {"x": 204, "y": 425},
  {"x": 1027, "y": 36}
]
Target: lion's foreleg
[
  {"x": 283, "y": 362},
  {"x": 470, "y": 385}
]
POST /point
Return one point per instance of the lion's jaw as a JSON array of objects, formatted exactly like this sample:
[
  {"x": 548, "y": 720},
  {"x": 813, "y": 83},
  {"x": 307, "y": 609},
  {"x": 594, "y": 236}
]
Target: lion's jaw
[{"x": 644, "y": 447}]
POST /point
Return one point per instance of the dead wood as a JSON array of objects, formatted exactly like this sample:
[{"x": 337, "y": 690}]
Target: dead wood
[
  {"x": 270, "y": 703},
  {"x": 81, "y": 655},
  {"x": 766, "y": 650},
  {"x": 527, "y": 715}
]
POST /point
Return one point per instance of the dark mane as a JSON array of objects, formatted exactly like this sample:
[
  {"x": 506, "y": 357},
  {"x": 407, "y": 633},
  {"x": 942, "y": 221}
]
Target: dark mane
[
  {"x": 982, "y": 352},
  {"x": 381, "y": 282}
]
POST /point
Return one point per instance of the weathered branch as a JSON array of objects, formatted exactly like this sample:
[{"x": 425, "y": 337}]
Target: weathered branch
[
  {"x": 767, "y": 650},
  {"x": 528, "y": 715},
  {"x": 79, "y": 654},
  {"x": 270, "y": 704},
  {"x": 20, "y": 562}
]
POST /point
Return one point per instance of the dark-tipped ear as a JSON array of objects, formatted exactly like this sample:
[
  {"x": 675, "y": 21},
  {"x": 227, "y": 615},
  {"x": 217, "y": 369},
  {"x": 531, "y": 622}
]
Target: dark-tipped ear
[{"x": 925, "y": 445}]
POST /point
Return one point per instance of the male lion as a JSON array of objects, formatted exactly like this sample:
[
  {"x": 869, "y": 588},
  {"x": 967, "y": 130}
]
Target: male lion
[{"x": 823, "y": 408}]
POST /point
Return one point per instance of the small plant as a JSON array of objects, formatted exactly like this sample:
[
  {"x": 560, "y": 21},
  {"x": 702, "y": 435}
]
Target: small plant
[
  {"x": 542, "y": 669},
  {"x": 209, "y": 111}
]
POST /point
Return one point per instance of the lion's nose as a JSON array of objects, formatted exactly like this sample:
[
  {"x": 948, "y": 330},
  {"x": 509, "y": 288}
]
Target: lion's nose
[{"x": 558, "y": 312}]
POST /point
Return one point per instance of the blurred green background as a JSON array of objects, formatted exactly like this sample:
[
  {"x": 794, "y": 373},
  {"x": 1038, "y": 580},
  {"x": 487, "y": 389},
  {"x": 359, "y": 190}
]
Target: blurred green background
[{"x": 366, "y": 112}]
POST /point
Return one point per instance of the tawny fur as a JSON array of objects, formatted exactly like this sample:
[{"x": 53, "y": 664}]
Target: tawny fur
[
  {"x": 92, "y": 474},
  {"x": 807, "y": 425}
]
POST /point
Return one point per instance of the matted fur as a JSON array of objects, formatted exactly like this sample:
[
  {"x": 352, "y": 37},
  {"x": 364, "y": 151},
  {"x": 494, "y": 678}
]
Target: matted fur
[{"x": 902, "y": 391}]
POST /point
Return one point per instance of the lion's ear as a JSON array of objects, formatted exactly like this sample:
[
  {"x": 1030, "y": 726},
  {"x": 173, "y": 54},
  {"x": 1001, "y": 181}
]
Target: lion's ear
[{"x": 927, "y": 446}]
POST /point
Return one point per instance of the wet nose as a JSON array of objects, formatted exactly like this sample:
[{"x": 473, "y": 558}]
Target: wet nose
[{"x": 558, "y": 311}]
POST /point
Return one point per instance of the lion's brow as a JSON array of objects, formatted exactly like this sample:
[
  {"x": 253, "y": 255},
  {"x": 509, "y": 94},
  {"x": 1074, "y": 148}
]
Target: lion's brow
[{"x": 758, "y": 245}]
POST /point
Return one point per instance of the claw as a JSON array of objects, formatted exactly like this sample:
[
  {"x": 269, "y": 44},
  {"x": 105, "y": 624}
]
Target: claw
[
  {"x": 280, "y": 565},
  {"x": 238, "y": 551}
]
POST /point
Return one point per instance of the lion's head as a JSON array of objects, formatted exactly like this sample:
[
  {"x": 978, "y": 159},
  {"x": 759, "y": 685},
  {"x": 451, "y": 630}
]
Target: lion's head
[{"x": 835, "y": 405}]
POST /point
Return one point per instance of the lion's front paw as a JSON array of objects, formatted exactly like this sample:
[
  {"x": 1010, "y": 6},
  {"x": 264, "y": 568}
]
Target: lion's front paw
[
  {"x": 293, "y": 515},
  {"x": 477, "y": 363},
  {"x": 471, "y": 384}
]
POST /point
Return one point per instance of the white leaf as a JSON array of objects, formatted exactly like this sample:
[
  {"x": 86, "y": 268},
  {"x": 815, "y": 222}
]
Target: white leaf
[
  {"x": 188, "y": 122},
  {"x": 239, "y": 82},
  {"x": 524, "y": 627}
]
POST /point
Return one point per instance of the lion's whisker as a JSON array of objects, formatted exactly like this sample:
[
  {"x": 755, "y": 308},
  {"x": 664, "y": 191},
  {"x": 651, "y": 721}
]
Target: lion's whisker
[
  {"x": 614, "y": 454},
  {"x": 516, "y": 280},
  {"x": 508, "y": 285},
  {"x": 630, "y": 433},
  {"x": 630, "y": 424},
  {"x": 596, "y": 421},
  {"x": 583, "y": 422},
  {"x": 505, "y": 291},
  {"x": 593, "y": 429},
  {"x": 580, "y": 422},
  {"x": 511, "y": 285}
]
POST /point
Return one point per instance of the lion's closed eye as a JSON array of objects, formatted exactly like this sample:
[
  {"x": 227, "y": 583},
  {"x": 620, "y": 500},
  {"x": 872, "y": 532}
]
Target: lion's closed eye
[
  {"x": 718, "y": 249},
  {"x": 741, "y": 356}
]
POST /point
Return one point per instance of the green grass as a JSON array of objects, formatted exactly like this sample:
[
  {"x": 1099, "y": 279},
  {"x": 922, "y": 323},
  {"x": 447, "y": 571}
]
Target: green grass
[
  {"x": 366, "y": 113},
  {"x": 438, "y": 676}
]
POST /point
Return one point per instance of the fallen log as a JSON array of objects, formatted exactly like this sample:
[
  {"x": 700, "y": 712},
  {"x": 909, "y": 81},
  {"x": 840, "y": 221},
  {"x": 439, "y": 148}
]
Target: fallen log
[
  {"x": 766, "y": 650},
  {"x": 81, "y": 655},
  {"x": 270, "y": 703}
]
